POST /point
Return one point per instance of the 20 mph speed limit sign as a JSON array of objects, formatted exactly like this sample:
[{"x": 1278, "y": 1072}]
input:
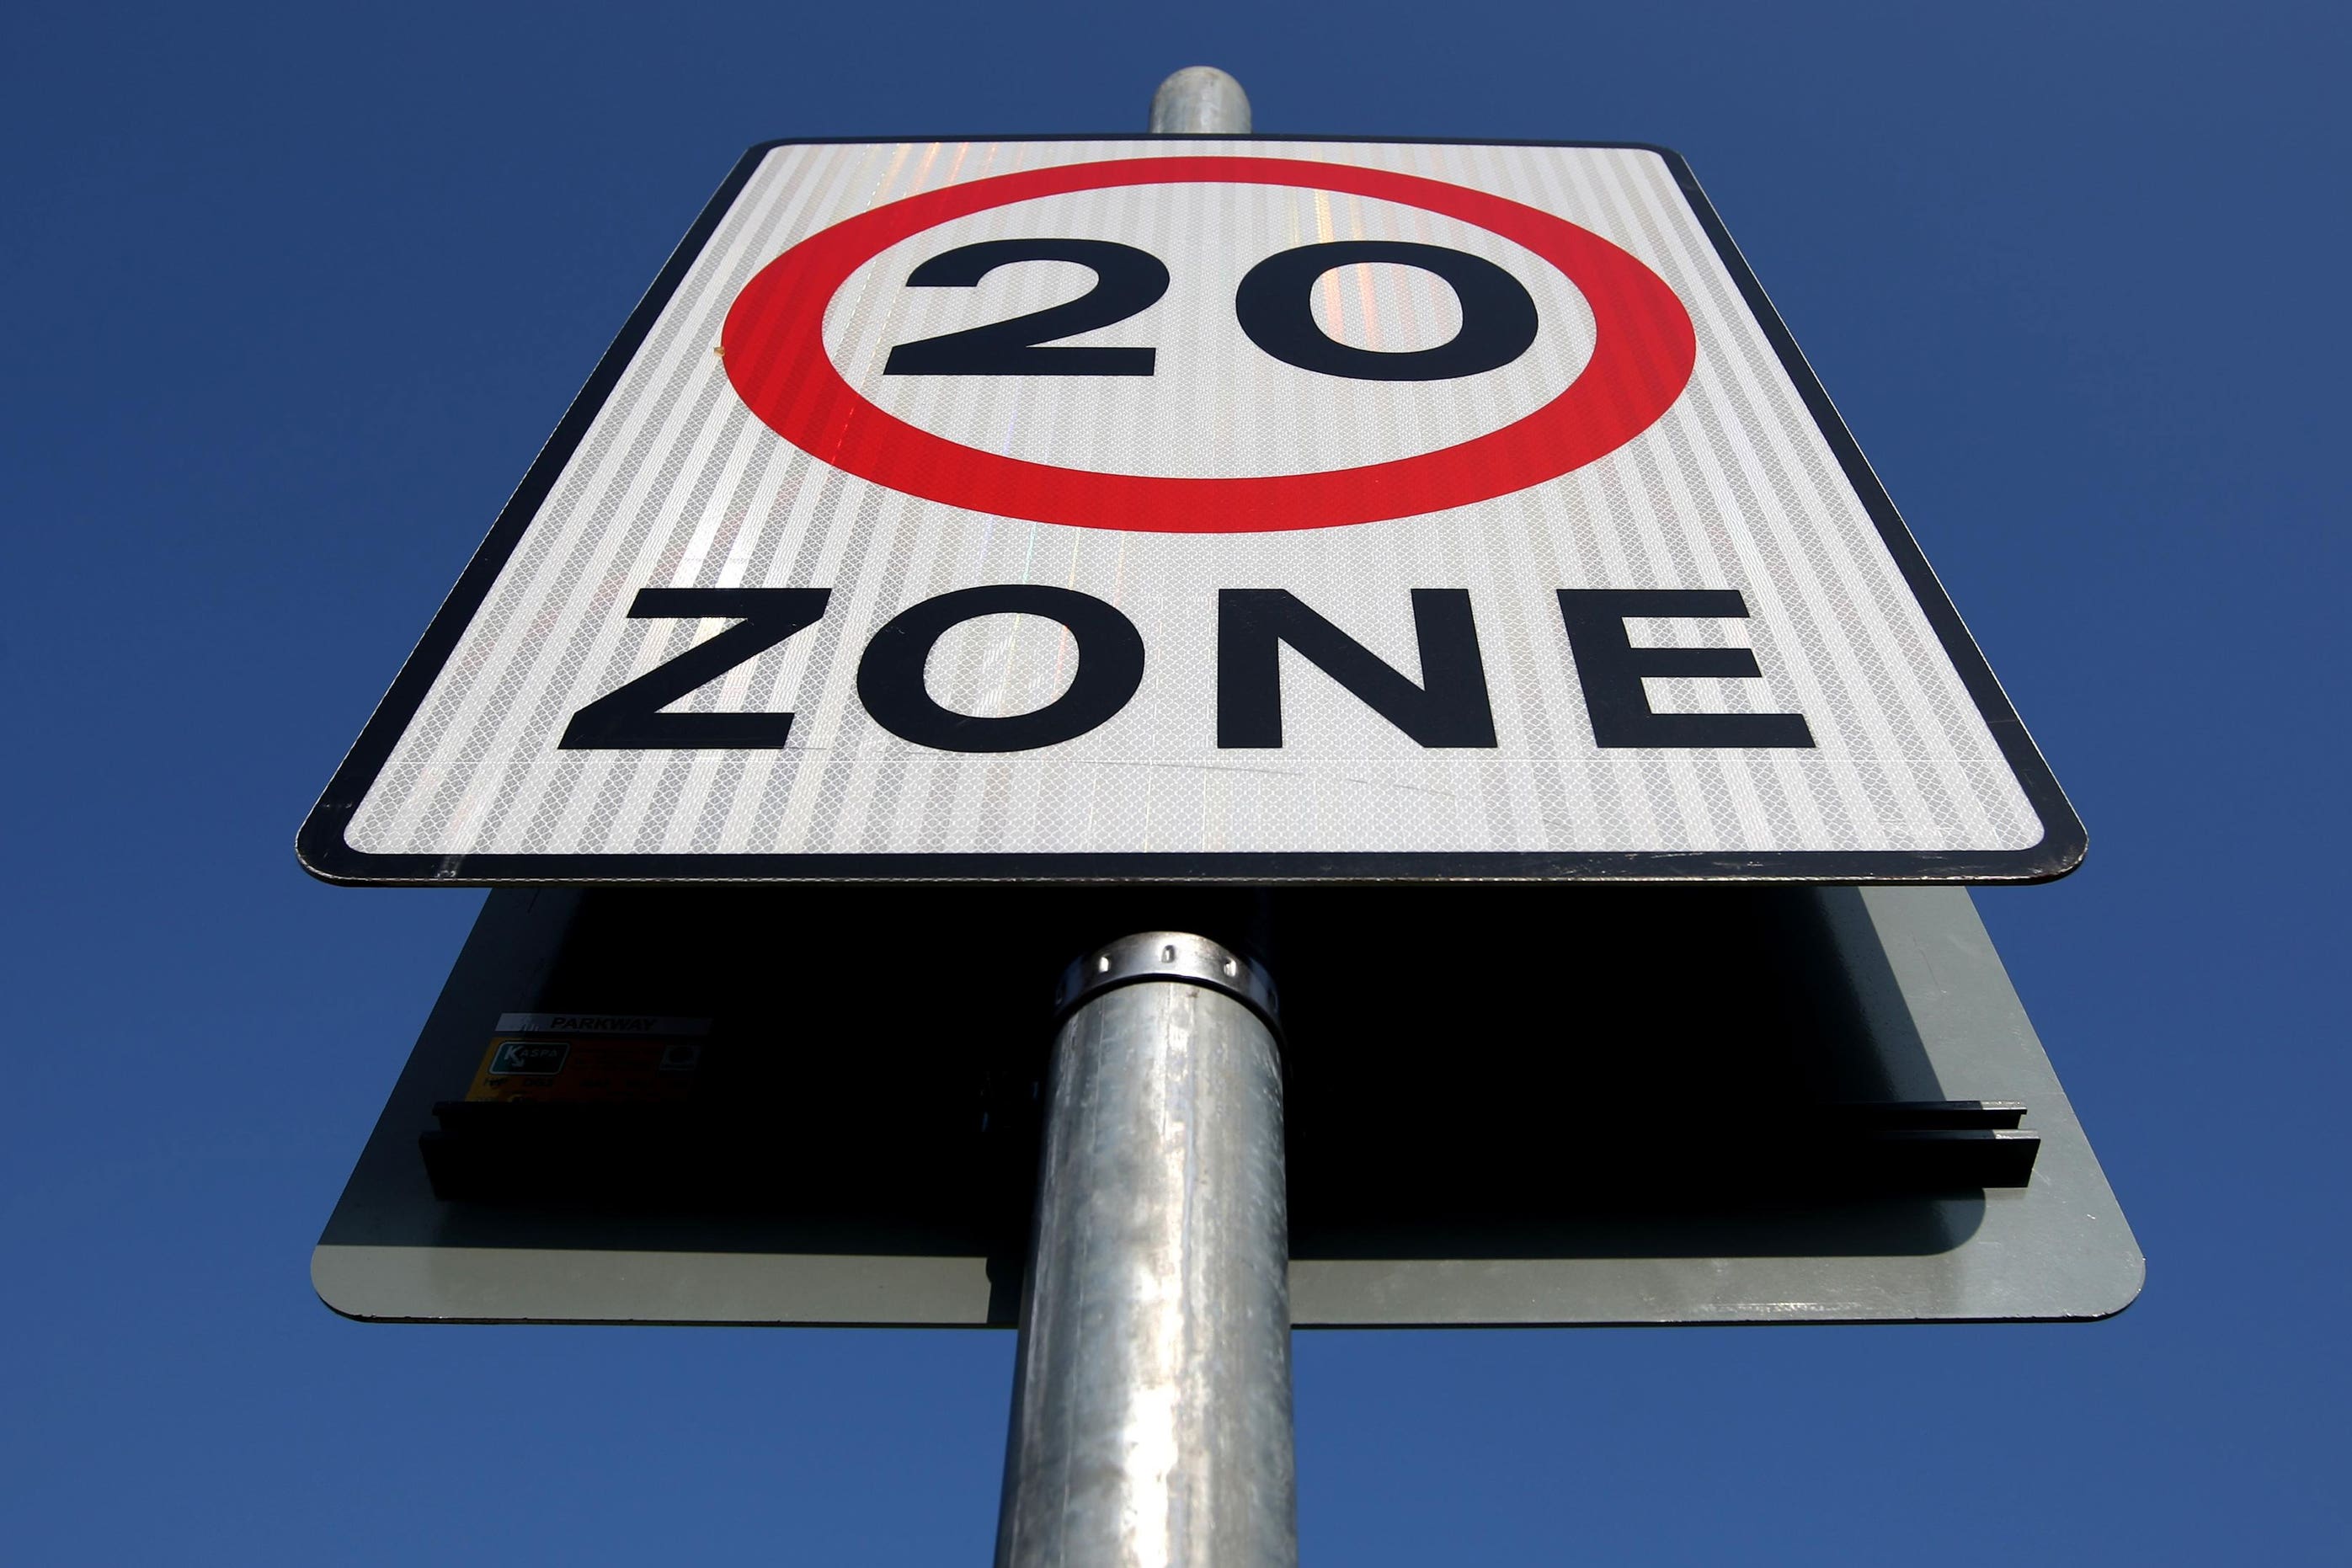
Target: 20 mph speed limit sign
[{"x": 1220, "y": 509}]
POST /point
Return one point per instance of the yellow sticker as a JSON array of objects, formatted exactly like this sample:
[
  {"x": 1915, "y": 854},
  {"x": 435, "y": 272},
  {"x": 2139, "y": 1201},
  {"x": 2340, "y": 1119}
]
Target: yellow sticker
[{"x": 644, "y": 1069}]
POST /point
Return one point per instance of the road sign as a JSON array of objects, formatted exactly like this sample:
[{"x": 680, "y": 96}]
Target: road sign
[
  {"x": 1209, "y": 508},
  {"x": 1804, "y": 1135}
]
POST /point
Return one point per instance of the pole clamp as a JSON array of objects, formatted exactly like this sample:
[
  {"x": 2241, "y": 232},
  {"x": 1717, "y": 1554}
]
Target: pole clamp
[{"x": 1170, "y": 955}]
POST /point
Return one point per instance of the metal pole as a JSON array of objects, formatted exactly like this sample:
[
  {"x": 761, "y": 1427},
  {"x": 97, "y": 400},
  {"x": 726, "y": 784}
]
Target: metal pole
[
  {"x": 1200, "y": 99},
  {"x": 1151, "y": 1399},
  {"x": 1152, "y": 1403}
]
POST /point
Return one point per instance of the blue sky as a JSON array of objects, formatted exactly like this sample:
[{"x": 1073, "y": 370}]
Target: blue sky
[{"x": 292, "y": 295}]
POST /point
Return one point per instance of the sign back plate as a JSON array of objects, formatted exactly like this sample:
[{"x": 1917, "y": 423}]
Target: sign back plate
[{"x": 875, "y": 1167}]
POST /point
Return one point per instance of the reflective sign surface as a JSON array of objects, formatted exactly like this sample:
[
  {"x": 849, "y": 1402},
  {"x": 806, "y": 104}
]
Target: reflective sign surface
[{"x": 1199, "y": 508}]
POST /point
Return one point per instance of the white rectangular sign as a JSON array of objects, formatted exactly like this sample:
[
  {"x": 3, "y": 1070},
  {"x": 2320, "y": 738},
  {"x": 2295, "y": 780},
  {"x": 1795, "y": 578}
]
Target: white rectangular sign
[{"x": 1199, "y": 509}]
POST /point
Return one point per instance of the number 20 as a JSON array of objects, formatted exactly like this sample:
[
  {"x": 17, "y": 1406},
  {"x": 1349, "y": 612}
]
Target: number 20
[{"x": 1275, "y": 306}]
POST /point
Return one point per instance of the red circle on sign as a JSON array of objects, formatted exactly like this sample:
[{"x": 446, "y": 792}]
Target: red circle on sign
[{"x": 774, "y": 342}]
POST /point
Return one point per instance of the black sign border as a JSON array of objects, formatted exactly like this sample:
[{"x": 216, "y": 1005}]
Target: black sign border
[{"x": 325, "y": 854}]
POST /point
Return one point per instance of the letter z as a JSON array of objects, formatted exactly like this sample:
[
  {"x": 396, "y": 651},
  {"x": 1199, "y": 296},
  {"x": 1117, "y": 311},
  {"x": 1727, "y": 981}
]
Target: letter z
[{"x": 630, "y": 718}]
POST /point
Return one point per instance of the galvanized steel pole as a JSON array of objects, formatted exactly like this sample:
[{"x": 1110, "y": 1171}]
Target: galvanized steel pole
[
  {"x": 1152, "y": 1403},
  {"x": 1200, "y": 99},
  {"x": 1151, "y": 1407}
]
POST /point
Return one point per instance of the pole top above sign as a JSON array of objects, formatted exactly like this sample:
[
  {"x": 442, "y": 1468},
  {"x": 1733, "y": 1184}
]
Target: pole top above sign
[
  {"x": 1200, "y": 100},
  {"x": 1215, "y": 509}
]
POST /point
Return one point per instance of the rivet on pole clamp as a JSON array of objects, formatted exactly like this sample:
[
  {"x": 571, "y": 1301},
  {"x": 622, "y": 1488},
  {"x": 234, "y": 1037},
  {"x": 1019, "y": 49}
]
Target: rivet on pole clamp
[{"x": 1169, "y": 955}]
